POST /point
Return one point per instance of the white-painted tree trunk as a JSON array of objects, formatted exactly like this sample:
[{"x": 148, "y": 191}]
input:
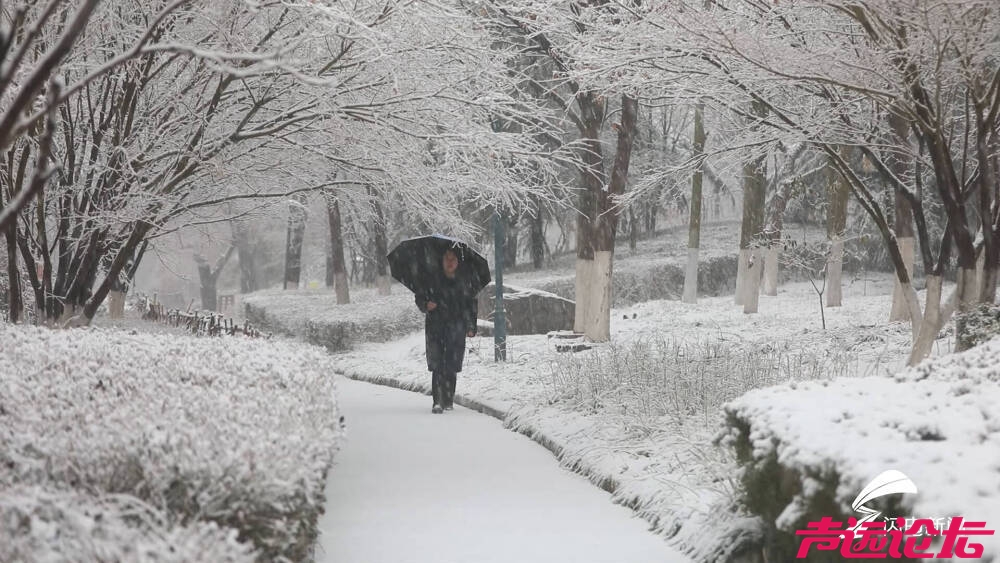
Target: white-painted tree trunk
[
  {"x": 968, "y": 290},
  {"x": 598, "y": 312},
  {"x": 987, "y": 280},
  {"x": 341, "y": 288},
  {"x": 834, "y": 274},
  {"x": 771, "y": 270},
  {"x": 72, "y": 317},
  {"x": 936, "y": 314},
  {"x": 751, "y": 282},
  {"x": 116, "y": 304},
  {"x": 584, "y": 277},
  {"x": 741, "y": 274},
  {"x": 900, "y": 310},
  {"x": 384, "y": 285},
  {"x": 967, "y": 286},
  {"x": 923, "y": 344},
  {"x": 691, "y": 277}
]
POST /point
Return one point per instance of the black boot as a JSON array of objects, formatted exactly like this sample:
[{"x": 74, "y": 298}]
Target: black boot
[
  {"x": 450, "y": 379},
  {"x": 438, "y": 391}
]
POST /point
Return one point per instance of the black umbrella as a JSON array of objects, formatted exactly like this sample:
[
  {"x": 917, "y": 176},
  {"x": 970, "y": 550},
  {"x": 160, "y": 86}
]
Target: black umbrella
[{"x": 416, "y": 262}]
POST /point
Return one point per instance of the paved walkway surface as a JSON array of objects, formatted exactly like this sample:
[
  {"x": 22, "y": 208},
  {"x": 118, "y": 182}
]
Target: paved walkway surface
[{"x": 412, "y": 487}]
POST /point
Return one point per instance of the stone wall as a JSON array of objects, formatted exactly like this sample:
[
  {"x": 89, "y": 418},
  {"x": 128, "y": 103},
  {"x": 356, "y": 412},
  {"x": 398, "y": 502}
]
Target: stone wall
[{"x": 529, "y": 311}]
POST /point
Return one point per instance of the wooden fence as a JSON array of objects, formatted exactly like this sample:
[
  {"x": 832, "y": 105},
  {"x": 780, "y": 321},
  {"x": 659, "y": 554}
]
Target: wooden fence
[{"x": 201, "y": 323}]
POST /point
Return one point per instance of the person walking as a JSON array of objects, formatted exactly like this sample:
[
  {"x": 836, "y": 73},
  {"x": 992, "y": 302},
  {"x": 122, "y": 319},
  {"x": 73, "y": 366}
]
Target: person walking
[{"x": 451, "y": 308}]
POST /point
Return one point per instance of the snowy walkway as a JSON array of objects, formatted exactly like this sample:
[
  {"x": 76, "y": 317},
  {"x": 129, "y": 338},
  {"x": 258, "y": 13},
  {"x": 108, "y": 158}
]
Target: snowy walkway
[{"x": 412, "y": 487}]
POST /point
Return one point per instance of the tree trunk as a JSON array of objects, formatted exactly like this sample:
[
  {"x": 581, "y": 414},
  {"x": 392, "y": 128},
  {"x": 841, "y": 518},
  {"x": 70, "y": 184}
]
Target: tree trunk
[
  {"x": 246, "y": 255},
  {"x": 598, "y": 220},
  {"x": 772, "y": 258},
  {"x": 900, "y": 165},
  {"x": 511, "y": 241},
  {"x": 694, "y": 222},
  {"x": 14, "y": 296},
  {"x": 209, "y": 277},
  {"x": 209, "y": 294},
  {"x": 836, "y": 223},
  {"x": 114, "y": 269},
  {"x": 338, "y": 267},
  {"x": 538, "y": 240},
  {"x": 293, "y": 242},
  {"x": 592, "y": 180},
  {"x": 989, "y": 184},
  {"x": 752, "y": 280},
  {"x": 772, "y": 254},
  {"x": 931, "y": 324},
  {"x": 751, "y": 229},
  {"x": 907, "y": 247},
  {"x": 116, "y": 304},
  {"x": 382, "y": 281},
  {"x": 834, "y": 273},
  {"x": 989, "y": 276},
  {"x": 935, "y": 316},
  {"x": 968, "y": 291},
  {"x": 119, "y": 289},
  {"x": 742, "y": 261}
]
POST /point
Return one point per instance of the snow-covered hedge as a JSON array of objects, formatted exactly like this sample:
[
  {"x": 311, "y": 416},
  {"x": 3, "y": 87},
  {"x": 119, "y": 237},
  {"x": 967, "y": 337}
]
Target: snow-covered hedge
[
  {"x": 231, "y": 431},
  {"x": 315, "y": 316},
  {"x": 637, "y": 280},
  {"x": 806, "y": 450},
  {"x": 38, "y": 524},
  {"x": 978, "y": 325}
]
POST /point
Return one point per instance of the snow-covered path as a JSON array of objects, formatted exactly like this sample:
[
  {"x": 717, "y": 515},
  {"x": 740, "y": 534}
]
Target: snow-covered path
[{"x": 412, "y": 487}]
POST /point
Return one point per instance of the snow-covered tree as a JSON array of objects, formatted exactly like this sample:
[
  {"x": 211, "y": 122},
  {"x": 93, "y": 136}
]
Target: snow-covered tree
[
  {"x": 233, "y": 101},
  {"x": 833, "y": 73},
  {"x": 549, "y": 33}
]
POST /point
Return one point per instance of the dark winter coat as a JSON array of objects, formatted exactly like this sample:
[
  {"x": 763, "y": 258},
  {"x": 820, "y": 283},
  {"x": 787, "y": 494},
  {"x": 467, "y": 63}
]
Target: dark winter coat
[{"x": 446, "y": 326}]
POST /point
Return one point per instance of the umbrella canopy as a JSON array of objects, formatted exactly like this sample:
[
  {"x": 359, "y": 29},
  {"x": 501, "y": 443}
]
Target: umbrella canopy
[{"x": 416, "y": 262}]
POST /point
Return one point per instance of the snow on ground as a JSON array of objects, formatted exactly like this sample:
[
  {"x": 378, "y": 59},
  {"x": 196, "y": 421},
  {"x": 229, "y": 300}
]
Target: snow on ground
[
  {"x": 315, "y": 316},
  {"x": 229, "y": 430},
  {"x": 670, "y": 246},
  {"x": 412, "y": 487},
  {"x": 938, "y": 423},
  {"x": 658, "y": 458}
]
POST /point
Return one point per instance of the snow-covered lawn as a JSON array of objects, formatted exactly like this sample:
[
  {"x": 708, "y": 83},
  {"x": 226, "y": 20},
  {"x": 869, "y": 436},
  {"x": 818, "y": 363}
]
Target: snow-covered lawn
[
  {"x": 122, "y": 443},
  {"x": 639, "y": 417},
  {"x": 938, "y": 423},
  {"x": 655, "y": 269}
]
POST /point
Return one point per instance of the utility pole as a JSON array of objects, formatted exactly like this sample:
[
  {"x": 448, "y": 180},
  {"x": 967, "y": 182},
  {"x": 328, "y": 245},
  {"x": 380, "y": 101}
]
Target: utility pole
[{"x": 499, "y": 321}]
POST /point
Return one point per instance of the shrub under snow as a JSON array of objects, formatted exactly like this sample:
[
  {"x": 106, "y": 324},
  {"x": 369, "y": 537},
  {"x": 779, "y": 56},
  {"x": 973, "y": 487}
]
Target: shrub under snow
[
  {"x": 978, "y": 325},
  {"x": 232, "y": 431},
  {"x": 38, "y": 524},
  {"x": 807, "y": 449},
  {"x": 315, "y": 316}
]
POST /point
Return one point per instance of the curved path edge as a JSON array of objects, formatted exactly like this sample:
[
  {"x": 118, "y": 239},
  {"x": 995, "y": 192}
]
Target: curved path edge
[{"x": 601, "y": 480}]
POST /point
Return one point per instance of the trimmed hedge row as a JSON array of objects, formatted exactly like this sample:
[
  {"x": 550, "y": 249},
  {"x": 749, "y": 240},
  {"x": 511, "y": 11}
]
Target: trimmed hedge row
[
  {"x": 223, "y": 441},
  {"x": 316, "y": 318}
]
